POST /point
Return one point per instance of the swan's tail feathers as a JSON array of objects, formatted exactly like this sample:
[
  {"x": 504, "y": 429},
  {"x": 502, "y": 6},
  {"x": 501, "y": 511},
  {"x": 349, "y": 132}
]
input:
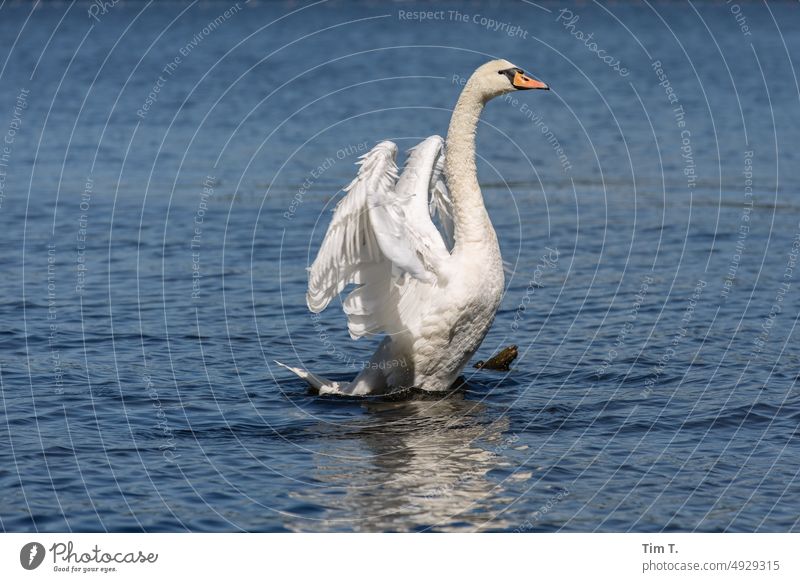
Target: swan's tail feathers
[{"x": 318, "y": 383}]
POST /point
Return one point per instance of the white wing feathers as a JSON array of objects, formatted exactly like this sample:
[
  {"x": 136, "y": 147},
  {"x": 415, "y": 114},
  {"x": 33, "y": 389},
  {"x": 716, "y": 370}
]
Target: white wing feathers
[
  {"x": 377, "y": 235},
  {"x": 440, "y": 204},
  {"x": 423, "y": 179},
  {"x": 350, "y": 243}
]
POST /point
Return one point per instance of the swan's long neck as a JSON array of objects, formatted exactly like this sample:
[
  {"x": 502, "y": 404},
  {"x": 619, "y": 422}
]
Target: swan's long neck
[{"x": 470, "y": 217}]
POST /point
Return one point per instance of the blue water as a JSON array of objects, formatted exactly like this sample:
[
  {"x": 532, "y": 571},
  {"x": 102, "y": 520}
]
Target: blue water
[{"x": 169, "y": 177}]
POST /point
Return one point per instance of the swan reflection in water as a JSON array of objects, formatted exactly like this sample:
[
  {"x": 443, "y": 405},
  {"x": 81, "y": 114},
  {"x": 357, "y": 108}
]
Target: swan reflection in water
[{"x": 409, "y": 466}]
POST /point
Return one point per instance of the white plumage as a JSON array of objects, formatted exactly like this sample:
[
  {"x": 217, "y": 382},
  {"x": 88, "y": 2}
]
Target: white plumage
[{"x": 433, "y": 296}]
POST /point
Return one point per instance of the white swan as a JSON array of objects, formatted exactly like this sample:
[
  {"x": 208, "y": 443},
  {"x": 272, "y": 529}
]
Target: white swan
[{"x": 434, "y": 304}]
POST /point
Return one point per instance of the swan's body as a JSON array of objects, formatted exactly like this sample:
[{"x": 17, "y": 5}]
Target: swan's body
[{"x": 435, "y": 297}]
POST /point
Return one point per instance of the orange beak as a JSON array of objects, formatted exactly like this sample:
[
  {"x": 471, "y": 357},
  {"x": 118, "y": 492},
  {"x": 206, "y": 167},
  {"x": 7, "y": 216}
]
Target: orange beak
[{"x": 522, "y": 81}]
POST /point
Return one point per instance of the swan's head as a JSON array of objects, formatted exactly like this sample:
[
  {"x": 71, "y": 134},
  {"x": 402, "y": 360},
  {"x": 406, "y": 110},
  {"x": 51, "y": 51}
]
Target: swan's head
[{"x": 498, "y": 77}]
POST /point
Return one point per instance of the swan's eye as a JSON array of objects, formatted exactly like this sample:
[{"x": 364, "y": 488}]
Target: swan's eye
[{"x": 509, "y": 73}]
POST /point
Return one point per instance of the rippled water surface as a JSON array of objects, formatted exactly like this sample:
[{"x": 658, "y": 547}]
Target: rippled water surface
[{"x": 168, "y": 173}]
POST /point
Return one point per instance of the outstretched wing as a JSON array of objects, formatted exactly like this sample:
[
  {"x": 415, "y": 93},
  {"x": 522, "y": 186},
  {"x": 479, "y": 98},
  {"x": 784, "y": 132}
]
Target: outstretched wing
[
  {"x": 374, "y": 239},
  {"x": 423, "y": 181}
]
